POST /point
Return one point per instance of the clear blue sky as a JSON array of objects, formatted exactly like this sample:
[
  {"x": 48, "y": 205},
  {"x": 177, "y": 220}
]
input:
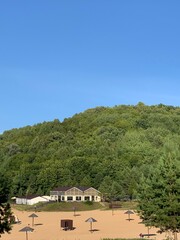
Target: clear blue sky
[{"x": 61, "y": 57}]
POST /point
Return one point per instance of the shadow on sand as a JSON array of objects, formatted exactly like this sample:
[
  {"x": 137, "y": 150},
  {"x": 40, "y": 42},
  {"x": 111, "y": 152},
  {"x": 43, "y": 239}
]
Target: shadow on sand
[{"x": 94, "y": 230}]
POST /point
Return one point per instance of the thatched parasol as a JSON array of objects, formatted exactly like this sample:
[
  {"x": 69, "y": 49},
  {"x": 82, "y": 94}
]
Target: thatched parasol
[
  {"x": 33, "y": 215},
  {"x": 91, "y": 220},
  {"x": 129, "y": 212},
  {"x": 26, "y": 230}
]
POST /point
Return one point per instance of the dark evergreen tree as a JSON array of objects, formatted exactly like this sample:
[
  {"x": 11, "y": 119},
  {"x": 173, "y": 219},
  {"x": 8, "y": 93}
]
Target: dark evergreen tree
[
  {"x": 5, "y": 209},
  {"x": 159, "y": 196},
  {"x": 5, "y": 215}
]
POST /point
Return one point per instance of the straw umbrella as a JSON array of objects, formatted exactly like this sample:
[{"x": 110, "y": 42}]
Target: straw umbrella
[
  {"x": 33, "y": 215},
  {"x": 129, "y": 212},
  {"x": 26, "y": 230},
  {"x": 91, "y": 220}
]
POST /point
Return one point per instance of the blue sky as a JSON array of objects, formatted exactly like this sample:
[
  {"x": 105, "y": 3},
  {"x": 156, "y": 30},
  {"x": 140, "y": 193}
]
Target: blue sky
[{"x": 61, "y": 57}]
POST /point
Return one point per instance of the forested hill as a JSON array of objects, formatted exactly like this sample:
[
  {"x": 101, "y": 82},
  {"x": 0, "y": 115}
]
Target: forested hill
[{"x": 107, "y": 148}]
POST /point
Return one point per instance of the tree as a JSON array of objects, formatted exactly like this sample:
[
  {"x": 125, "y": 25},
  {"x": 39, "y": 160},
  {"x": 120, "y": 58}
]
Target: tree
[
  {"x": 5, "y": 209},
  {"x": 5, "y": 214},
  {"x": 159, "y": 196},
  {"x": 110, "y": 189}
]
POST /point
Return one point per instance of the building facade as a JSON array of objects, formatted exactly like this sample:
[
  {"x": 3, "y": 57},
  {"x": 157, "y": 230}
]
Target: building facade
[{"x": 72, "y": 194}]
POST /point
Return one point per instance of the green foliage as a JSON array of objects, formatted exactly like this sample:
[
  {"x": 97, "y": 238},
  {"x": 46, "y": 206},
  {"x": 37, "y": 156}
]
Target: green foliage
[
  {"x": 119, "y": 144},
  {"x": 159, "y": 194},
  {"x": 5, "y": 210},
  {"x": 61, "y": 206},
  {"x": 5, "y": 214},
  {"x": 88, "y": 203},
  {"x": 110, "y": 189}
]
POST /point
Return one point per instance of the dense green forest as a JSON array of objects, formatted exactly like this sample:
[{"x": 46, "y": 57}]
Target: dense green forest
[{"x": 109, "y": 148}]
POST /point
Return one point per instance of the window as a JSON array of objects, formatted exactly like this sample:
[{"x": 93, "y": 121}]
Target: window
[
  {"x": 78, "y": 198},
  {"x": 86, "y": 198},
  {"x": 69, "y": 198},
  {"x": 62, "y": 198}
]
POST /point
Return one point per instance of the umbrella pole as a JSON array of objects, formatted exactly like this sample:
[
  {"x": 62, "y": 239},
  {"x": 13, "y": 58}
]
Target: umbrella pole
[
  {"x": 91, "y": 226},
  {"x": 26, "y": 235}
]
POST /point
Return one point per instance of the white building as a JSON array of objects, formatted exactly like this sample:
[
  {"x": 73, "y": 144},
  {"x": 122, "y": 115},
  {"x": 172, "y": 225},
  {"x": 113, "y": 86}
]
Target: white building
[
  {"x": 32, "y": 199},
  {"x": 79, "y": 194}
]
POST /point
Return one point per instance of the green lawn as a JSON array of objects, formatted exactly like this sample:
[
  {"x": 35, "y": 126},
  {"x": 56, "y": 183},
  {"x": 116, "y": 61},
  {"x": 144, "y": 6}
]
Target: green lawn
[
  {"x": 69, "y": 206},
  {"x": 60, "y": 206}
]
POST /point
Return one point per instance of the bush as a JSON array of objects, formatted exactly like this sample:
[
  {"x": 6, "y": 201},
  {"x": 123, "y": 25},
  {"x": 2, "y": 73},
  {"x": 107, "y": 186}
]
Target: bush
[{"x": 89, "y": 203}]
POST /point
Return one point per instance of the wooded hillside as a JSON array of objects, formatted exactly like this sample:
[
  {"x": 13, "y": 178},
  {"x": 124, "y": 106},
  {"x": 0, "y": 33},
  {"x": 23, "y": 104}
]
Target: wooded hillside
[{"x": 107, "y": 148}]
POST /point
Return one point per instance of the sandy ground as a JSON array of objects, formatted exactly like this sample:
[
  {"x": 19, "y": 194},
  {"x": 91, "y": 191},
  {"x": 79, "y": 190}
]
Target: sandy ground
[{"x": 109, "y": 225}]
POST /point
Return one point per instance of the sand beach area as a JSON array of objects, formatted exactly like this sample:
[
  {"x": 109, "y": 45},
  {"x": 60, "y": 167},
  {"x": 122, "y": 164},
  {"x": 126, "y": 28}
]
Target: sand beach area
[{"x": 109, "y": 225}]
